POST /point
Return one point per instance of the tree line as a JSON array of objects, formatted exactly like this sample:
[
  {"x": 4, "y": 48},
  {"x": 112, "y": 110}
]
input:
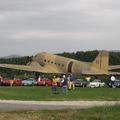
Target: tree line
[
  {"x": 10, "y": 73},
  {"x": 89, "y": 56}
]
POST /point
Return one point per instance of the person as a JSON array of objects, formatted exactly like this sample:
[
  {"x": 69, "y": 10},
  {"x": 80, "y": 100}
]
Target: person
[
  {"x": 39, "y": 78},
  {"x": 88, "y": 79},
  {"x": 11, "y": 82},
  {"x": 112, "y": 79},
  {"x": 64, "y": 84},
  {"x": 54, "y": 84},
  {"x": 1, "y": 80},
  {"x": 72, "y": 82},
  {"x": 68, "y": 79}
]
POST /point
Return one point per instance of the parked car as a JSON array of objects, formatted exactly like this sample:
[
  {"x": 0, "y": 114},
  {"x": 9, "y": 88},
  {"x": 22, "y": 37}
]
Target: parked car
[
  {"x": 81, "y": 83},
  {"x": 5, "y": 82},
  {"x": 114, "y": 84},
  {"x": 44, "y": 82},
  {"x": 29, "y": 82},
  {"x": 10, "y": 82},
  {"x": 17, "y": 82},
  {"x": 96, "y": 83}
]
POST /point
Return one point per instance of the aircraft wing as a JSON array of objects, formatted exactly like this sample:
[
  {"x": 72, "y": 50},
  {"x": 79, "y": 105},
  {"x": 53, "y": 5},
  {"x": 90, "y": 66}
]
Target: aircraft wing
[
  {"x": 22, "y": 67},
  {"x": 34, "y": 68}
]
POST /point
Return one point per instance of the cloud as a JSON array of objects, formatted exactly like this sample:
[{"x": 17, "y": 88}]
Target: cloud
[
  {"x": 30, "y": 35},
  {"x": 48, "y": 24}
]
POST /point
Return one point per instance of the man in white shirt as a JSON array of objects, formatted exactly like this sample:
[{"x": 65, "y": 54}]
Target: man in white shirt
[{"x": 112, "y": 78}]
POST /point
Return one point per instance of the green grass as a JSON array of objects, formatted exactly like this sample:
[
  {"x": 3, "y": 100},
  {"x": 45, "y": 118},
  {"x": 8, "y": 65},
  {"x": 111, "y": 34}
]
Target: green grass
[
  {"x": 45, "y": 94},
  {"x": 96, "y": 113}
]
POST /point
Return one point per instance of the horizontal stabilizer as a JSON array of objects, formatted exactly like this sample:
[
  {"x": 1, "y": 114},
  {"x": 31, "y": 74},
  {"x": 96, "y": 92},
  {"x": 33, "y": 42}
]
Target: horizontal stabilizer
[
  {"x": 114, "y": 73},
  {"x": 114, "y": 67},
  {"x": 93, "y": 73}
]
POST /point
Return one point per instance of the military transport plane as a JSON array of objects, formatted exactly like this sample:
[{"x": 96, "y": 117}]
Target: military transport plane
[{"x": 49, "y": 63}]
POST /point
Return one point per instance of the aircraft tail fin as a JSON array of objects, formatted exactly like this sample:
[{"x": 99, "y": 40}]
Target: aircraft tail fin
[{"x": 101, "y": 62}]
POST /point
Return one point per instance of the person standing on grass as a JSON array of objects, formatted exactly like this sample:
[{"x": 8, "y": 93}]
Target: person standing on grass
[
  {"x": 112, "y": 79},
  {"x": 72, "y": 82},
  {"x": 39, "y": 78},
  {"x": 1, "y": 80},
  {"x": 68, "y": 79},
  {"x": 54, "y": 84},
  {"x": 11, "y": 82},
  {"x": 64, "y": 84}
]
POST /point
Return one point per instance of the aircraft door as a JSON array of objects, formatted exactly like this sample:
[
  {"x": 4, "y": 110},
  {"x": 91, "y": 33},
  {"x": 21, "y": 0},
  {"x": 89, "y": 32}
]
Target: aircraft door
[{"x": 69, "y": 69}]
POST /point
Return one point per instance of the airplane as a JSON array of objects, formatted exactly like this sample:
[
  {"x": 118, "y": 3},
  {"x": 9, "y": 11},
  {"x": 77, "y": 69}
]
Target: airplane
[{"x": 49, "y": 63}]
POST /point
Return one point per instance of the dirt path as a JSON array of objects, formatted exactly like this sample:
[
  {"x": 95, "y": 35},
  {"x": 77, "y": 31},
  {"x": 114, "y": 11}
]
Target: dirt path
[{"x": 13, "y": 105}]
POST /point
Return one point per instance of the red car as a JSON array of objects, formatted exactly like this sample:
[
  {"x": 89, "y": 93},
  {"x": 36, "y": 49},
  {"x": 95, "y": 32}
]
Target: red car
[
  {"x": 44, "y": 82},
  {"x": 5, "y": 82},
  {"x": 11, "y": 82},
  {"x": 17, "y": 82}
]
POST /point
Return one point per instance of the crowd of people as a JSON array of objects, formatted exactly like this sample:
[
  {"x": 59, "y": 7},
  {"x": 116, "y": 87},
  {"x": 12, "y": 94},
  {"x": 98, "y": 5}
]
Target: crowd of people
[{"x": 66, "y": 81}]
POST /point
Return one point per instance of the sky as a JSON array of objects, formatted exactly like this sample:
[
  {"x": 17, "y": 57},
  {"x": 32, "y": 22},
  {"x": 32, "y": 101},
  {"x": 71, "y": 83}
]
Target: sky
[{"x": 31, "y": 26}]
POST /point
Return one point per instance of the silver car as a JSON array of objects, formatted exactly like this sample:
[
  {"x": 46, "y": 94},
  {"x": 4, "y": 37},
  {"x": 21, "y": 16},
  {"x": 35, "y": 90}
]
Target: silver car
[{"x": 29, "y": 82}]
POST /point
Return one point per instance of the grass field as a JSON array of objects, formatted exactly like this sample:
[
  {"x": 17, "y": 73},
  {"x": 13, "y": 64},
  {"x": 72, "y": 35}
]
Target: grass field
[
  {"x": 45, "y": 94},
  {"x": 97, "y": 113}
]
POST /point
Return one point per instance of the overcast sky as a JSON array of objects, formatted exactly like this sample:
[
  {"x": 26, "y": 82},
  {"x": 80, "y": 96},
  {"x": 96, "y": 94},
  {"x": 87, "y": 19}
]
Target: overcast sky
[{"x": 31, "y": 26}]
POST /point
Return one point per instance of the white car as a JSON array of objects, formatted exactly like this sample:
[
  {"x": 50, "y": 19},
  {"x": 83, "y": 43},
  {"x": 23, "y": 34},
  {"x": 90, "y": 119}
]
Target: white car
[
  {"x": 96, "y": 83},
  {"x": 28, "y": 82}
]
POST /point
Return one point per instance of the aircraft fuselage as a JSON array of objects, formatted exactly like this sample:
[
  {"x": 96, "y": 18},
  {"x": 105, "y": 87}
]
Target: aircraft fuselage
[{"x": 66, "y": 65}]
